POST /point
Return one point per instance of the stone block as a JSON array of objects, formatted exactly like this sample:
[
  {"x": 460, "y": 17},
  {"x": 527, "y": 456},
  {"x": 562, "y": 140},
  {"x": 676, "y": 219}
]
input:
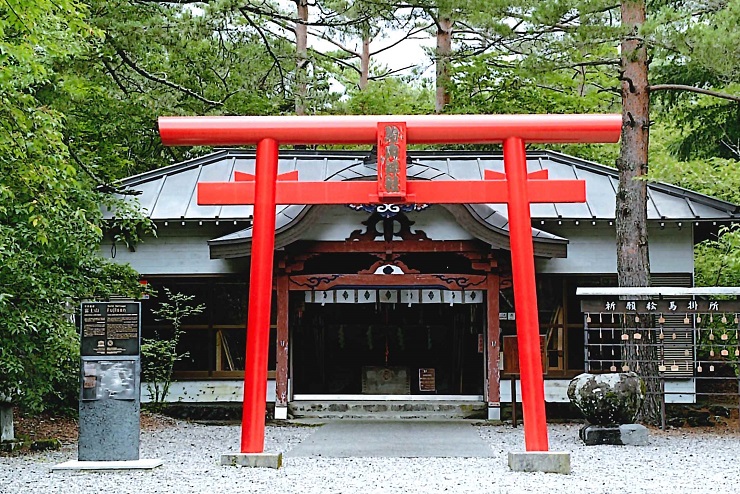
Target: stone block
[
  {"x": 540, "y": 461},
  {"x": 254, "y": 460},
  {"x": 622, "y": 435},
  {"x": 6, "y": 423},
  {"x": 281, "y": 413},
  {"x": 109, "y": 430}
]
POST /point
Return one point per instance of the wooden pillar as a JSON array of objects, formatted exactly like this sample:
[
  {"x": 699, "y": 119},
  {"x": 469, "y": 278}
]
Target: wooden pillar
[
  {"x": 260, "y": 295},
  {"x": 525, "y": 296},
  {"x": 281, "y": 371},
  {"x": 492, "y": 389}
]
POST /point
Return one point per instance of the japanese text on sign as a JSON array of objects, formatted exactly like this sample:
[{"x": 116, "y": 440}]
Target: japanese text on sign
[{"x": 660, "y": 306}]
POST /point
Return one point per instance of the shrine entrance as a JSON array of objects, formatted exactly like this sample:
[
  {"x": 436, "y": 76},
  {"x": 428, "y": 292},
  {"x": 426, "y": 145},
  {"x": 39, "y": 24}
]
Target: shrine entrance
[
  {"x": 380, "y": 350},
  {"x": 267, "y": 188}
]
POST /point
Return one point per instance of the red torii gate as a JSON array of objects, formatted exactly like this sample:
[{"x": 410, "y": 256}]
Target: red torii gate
[{"x": 266, "y": 189}]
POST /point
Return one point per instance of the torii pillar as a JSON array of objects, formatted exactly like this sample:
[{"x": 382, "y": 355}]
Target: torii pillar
[{"x": 392, "y": 133}]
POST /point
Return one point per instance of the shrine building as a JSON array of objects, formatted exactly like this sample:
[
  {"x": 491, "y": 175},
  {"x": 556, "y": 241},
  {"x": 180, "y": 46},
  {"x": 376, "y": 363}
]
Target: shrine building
[{"x": 394, "y": 303}]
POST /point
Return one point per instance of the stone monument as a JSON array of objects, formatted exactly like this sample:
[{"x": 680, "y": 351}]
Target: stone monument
[
  {"x": 6, "y": 419},
  {"x": 110, "y": 387},
  {"x": 610, "y": 403}
]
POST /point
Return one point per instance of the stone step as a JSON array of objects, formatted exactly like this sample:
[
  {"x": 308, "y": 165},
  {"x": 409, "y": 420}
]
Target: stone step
[{"x": 387, "y": 409}]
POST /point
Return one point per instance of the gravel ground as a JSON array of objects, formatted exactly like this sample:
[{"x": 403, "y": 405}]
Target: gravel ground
[{"x": 679, "y": 461}]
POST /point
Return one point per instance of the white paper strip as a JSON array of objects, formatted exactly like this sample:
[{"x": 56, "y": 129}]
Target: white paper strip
[
  {"x": 387, "y": 296},
  {"x": 366, "y": 296},
  {"x": 431, "y": 297},
  {"x": 409, "y": 297},
  {"x": 451, "y": 297},
  {"x": 324, "y": 297},
  {"x": 343, "y": 296},
  {"x": 473, "y": 296}
]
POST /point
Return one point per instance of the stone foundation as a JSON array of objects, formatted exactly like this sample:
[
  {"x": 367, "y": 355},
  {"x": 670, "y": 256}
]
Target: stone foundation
[
  {"x": 540, "y": 461},
  {"x": 621, "y": 435}
]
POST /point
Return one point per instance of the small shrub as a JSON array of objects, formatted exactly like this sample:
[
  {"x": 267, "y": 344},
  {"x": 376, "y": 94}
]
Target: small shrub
[{"x": 159, "y": 354}]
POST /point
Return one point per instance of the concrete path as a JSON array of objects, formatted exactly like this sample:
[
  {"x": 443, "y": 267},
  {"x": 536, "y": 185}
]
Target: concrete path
[{"x": 397, "y": 439}]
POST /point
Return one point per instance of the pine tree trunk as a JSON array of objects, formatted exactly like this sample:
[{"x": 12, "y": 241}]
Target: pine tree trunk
[
  {"x": 301, "y": 53},
  {"x": 633, "y": 264},
  {"x": 365, "y": 63},
  {"x": 443, "y": 53}
]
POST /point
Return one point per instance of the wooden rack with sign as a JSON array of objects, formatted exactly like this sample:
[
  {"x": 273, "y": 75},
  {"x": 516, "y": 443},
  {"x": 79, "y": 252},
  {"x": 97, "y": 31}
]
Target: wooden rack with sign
[{"x": 695, "y": 340}]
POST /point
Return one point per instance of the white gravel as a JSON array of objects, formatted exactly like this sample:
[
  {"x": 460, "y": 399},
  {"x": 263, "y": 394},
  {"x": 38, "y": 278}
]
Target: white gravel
[{"x": 675, "y": 462}]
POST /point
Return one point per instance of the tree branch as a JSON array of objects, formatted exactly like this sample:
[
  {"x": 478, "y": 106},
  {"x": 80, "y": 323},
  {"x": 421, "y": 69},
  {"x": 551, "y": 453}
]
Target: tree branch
[
  {"x": 401, "y": 40},
  {"x": 682, "y": 87},
  {"x": 113, "y": 75},
  {"x": 314, "y": 51},
  {"x": 336, "y": 43},
  {"x": 102, "y": 185},
  {"x": 389, "y": 73},
  {"x": 266, "y": 42},
  {"x": 274, "y": 14},
  {"x": 128, "y": 61}
]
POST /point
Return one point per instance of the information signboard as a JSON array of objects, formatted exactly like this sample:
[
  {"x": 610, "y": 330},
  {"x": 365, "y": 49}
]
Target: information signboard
[
  {"x": 427, "y": 379},
  {"x": 110, "y": 329}
]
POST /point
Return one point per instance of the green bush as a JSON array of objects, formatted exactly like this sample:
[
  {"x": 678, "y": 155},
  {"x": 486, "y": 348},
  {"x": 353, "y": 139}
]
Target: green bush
[{"x": 159, "y": 354}]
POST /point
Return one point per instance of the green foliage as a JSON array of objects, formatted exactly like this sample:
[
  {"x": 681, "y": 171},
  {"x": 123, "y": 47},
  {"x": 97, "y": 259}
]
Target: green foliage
[
  {"x": 83, "y": 82},
  {"x": 717, "y": 260},
  {"x": 390, "y": 96},
  {"x": 50, "y": 221},
  {"x": 159, "y": 354},
  {"x": 699, "y": 47},
  {"x": 538, "y": 57},
  {"x": 716, "y": 177},
  {"x": 127, "y": 226},
  {"x": 148, "y": 59}
]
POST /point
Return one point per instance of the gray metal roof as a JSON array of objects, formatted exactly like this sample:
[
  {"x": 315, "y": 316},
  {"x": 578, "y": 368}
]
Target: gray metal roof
[{"x": 169, "y": 193}]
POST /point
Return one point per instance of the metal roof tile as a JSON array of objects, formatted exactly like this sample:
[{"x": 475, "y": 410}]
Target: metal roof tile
[{"x": 168, "y": 193}]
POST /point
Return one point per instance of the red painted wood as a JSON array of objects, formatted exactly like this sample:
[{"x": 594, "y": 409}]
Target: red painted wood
[
  {"x": 281, "y": 361},
  {"x": 391, "y": 161},
  {"x": 248, "y": 177},
  {"x": 493, "y": 330},
  {"x": 494, "y": 175},
  {"x": 525, "y": 296},
  {"x": 396, "y": 246},
  {"x": 418, "y": 191},
  {"x": 308, "y": 282},
  {"x": 260, "y": 294},
  {"x": 422, "y": 129}
]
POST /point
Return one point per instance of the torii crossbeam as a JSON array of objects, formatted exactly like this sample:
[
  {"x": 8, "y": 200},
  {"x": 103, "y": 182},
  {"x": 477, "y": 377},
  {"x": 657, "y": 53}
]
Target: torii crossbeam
[{"x": 515, "y": 188}]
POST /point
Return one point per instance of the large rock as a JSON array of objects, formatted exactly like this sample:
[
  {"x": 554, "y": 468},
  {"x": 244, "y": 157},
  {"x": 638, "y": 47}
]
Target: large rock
[{"x": 608, "y": 399}]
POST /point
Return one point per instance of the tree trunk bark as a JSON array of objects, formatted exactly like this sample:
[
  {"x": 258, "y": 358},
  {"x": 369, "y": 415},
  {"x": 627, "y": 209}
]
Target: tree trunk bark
[
  {"x": 444, "y": 52},
  {"x": 633, "y": 264},
  {"x": 365, "y": 63},
  {"x": 301, "y": 63}
]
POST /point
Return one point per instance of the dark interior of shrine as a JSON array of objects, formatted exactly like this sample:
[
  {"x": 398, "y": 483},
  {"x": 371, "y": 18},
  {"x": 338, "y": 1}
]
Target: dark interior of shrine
[{"x": 379, "y": 348}]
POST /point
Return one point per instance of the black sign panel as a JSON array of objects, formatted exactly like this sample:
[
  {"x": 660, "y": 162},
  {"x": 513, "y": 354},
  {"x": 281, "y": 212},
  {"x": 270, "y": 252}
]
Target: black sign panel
[
  {"x": 679, "y": 306},
  {"x": 110, "y": 328}
]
